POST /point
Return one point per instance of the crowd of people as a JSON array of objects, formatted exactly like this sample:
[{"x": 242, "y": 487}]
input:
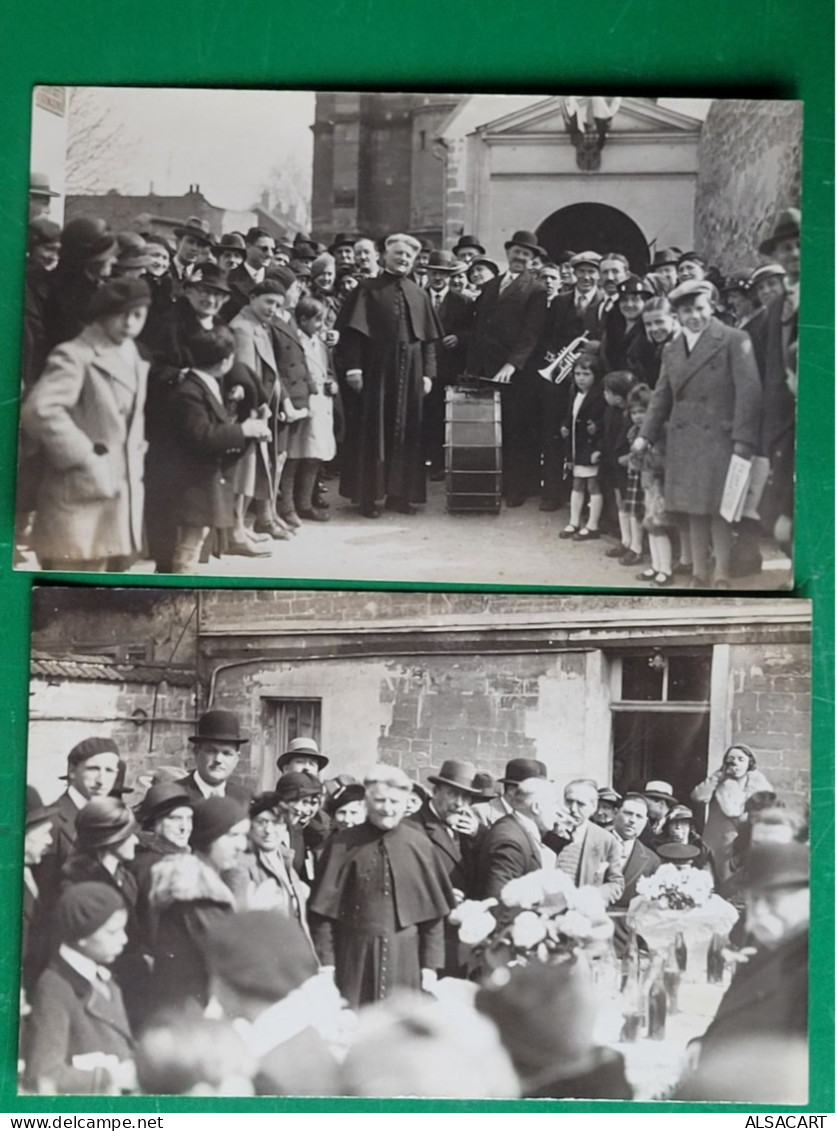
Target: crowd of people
[
  {"x": 299, "y": 941},
  {"x": 190, "y": 396}
]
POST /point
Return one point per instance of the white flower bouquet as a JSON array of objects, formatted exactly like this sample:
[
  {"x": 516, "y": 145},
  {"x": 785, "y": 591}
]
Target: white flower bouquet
[
  {"x": 674, "y": 901},
  {"x": 540, "y": 917}
]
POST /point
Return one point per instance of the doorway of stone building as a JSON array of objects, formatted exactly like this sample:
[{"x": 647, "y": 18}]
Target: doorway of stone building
[
  {"x": 282, "y": 721},
  {"x": 595, "y": 227},
  {"x": 660, "y": 704}
]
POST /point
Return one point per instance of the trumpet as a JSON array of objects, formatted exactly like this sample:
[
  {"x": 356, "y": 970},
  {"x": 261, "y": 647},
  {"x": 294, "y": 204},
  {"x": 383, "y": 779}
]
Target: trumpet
[{"x": 561, "y": 367}]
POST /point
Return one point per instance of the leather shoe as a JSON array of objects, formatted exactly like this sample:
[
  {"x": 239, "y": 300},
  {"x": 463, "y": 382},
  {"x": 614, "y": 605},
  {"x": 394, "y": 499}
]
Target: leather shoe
[
  {"x": 272, "y": 529},
  {"x": 400, "y": 506},
  {"x": 321, "y": 503},
  {"x": 314, "y": 515},
  {"x": 616, "y": 551},
  {"x": 630, "y": 558},
  {"x": 247, "y": 550},
  {"x": 586, "y": 535},
  {"x": 371, "y": 512},
  {"x": 290, "y": 518}
]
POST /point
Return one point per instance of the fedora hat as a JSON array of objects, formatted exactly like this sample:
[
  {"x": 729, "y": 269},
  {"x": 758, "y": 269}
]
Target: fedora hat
[
  {"x": 303, "y": 747},
  {"x": 342, "y": 239},
  {"x": 231, "y": 241},
  {"x": 660, "y": 791},
  {"x": 211, "y": 276},
  {"x": 218, "y": 726},
  {"x": 36, "y": 811},
  {"x": 786, "y": 226},
  {"x": 666, "y": 257},
  {"x": 468, "y": 241},
  {"x": 521, "y": 769},
  {"x": 523, "y": 238},
  {"x": 161, "y": 800},
  {"x": 197, "y": 228},
  {"x": 132, "y": 251},
  {"x": 458, "y": 774},
  {"x": 103, "y": 823},
  {"x": 610, "y": 796},
  {"x": 445, "y": 261},
  {"x": 39, "y": 185}
]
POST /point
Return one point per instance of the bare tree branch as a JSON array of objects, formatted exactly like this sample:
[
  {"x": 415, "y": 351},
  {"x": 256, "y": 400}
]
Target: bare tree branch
[{"x": 97, "y": 149}]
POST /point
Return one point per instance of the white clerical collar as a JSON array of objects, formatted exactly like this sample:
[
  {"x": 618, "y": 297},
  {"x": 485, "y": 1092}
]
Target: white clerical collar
[
  {"x": 255, "y": 273},
  {"x": 209, "y": 790},
  {"x": 91, "y": 971},
  {"x": 78, "y": 799},
  {"x": 210, "y": 382}
]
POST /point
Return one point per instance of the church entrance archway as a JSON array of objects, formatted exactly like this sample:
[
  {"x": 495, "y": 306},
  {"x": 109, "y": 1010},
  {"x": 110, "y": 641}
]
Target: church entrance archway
[{"x": 595, "y": 227}]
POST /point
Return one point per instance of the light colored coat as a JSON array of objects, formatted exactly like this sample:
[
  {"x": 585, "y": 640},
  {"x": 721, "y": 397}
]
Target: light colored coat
[
  {"x": 711, "y": 399},
  {"x": 90, "y": 397},
  {"x": 254, "y": 347}
]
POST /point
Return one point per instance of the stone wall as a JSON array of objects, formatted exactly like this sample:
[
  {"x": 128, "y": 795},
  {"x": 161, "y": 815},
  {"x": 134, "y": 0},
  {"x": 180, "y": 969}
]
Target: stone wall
[
  {"x": 749, "y": 168},
  {"x": 771, "y": 712}
]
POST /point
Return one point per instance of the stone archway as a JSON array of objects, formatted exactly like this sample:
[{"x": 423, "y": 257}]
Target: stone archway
[{"x": 595, "y": 227}]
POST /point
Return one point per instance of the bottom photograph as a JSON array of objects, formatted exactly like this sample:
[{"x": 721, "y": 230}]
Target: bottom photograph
[{"x": 383, "y": 844}]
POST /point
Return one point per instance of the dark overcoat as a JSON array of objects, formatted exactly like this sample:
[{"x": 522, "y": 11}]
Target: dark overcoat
[
  {"x": 377, "y": 908},
  {"x": 711, "y": 399},
  {"x": 290, "y": 359},
  {"x": 586, "y": 432},
  {"x": 207, "y": 445},
  {"x": 507, "y": 851},
  {"x": 70, "y": 1019},
  {"x": 388, "y": 329},
  {"x": 641, "y": 862}
]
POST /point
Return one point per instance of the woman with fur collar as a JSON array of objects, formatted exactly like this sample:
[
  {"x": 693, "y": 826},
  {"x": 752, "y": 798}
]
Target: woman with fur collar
[{"x": 188, "y": 895}]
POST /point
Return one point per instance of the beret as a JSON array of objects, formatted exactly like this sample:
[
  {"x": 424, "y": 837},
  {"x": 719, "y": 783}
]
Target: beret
[
  {"x": 84, "y": 908},
  {"x": 214, "y": 817},
  {"x": 88, "y": 747}
]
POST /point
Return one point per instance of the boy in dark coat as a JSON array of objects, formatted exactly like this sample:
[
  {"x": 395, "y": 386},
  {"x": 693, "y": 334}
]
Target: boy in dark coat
[
  {"x": 77, "y": 1039},
  {"x": 206, "y": 445}
]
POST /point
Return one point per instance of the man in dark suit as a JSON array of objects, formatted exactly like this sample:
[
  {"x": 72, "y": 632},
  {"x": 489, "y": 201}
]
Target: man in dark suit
[
  {"x": 768, "y": 995},
  {"x": 92, "y": 768},
  {"x": 455, "y": 832},
  {"x": 259, "y": 247},
  {"x": 630, "y": 819},
  {"x": 456, "y": 314},
  {"x": 35, "y": 944},
  {"x": 508, "y": 320},
  {"x": 194, "y": 239},
  {"x": 216, "y": 749},
  {"x": 513, "y": 846}
]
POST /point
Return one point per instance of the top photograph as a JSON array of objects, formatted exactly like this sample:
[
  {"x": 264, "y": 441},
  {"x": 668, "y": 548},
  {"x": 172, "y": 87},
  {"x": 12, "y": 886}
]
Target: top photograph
[{"x": 458, "y": 339}]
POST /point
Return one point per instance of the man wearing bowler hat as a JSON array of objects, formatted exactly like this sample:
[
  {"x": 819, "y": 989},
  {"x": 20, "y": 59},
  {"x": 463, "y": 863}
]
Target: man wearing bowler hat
[
  {"x": 194, "y": 239},
  {"x": 516, "y": 771},
  {"x": 231, "y": 251},
  {"x": 343, "y": 250},
  {"x": 216, "y": 746},
  {"x": 468, "y": 248},
  {"x": 455, "y": 314},
  {"x": 92, "y": 768},
  {"x": 662, "y": 277},
  {"x": 522, "y": 842},
  {"x": 303, "y": 756},
  {"x": 509, "y": 317}
]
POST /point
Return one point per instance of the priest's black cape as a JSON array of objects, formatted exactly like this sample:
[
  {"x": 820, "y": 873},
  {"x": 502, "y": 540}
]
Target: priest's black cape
[
  {"x": 388, "y": 328},
  {"x": 377, "y": 909}
]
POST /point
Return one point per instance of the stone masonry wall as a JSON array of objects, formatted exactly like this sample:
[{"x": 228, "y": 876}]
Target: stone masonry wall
[{"x": 749, "y": 167}]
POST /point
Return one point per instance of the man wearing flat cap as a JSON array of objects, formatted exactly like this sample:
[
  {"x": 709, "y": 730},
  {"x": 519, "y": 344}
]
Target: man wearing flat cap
[
  {"x": 387, "y": 362},
  {"x": 768, "y": 995},
  {"x": 509, "y": 317},
  {"x": 216, "y": 748}
]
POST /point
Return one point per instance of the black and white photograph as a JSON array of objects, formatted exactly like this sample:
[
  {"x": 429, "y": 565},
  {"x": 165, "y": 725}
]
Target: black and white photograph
[
  {"x": 386, "y": 844},
  {"x": 491, "y": 339}
]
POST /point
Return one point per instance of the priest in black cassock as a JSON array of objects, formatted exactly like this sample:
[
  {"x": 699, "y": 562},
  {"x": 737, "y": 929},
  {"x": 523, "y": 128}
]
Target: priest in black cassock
[
  {"x": 380, "y": 898},
  {"x": 387, "y": 362}
]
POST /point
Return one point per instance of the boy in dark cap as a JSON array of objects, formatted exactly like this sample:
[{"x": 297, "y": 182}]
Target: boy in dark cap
[{"x": 77, "y": 1039}]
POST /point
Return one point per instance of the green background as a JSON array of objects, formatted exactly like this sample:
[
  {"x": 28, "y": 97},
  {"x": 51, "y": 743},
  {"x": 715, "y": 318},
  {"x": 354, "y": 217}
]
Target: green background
[{"x": 732, "y": 48}]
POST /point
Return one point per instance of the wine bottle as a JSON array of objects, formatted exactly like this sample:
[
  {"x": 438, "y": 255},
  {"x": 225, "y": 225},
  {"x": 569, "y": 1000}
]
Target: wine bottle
[{"x": 657, "y": 1004}]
